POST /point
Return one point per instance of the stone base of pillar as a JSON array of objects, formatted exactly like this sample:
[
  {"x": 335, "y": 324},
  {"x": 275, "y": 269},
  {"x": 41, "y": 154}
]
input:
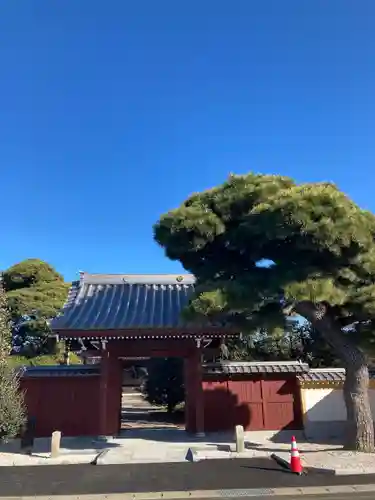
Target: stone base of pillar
[
  {"x": 200, "y": 434},
  {"x": 102, "y": 439}
]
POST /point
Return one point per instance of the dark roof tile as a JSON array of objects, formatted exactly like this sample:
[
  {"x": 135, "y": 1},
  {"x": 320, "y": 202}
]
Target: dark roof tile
[
  {"x": 59, "y": 371},
  {"x": 255, "y": 367},
  {"x": 104, "y": 302},
  {"x": 323, "y": 375}
]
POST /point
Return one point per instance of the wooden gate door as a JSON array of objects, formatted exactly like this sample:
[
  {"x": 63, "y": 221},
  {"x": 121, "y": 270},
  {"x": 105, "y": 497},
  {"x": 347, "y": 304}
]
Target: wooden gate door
[
  {"x": 248, "y": 409},
  {"x": 281, "y": 409},
  {"x": 218, "y": 410}
]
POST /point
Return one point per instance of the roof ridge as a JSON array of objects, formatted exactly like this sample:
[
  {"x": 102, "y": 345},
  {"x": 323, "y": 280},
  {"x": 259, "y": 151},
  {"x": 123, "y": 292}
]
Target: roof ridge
[
  {"x": 84, "y": 273},
  {"x": 152, "y": 279},
  {"x": 328, "y": 370}
]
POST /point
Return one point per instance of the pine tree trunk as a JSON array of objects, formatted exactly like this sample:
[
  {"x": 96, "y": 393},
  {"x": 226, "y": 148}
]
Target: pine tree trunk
[{"x": 360, "y": 426}]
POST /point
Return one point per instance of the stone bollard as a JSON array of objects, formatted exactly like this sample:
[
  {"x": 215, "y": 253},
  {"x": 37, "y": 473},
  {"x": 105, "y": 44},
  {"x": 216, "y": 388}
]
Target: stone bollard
[
  {"x": 240, "y": 439},
  {"x": 55, "y": 444}
]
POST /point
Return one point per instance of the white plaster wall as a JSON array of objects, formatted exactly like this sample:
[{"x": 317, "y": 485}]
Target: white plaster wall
[
  {"x": 327, "y": 405},
  {"x": 324, "y": 405}
]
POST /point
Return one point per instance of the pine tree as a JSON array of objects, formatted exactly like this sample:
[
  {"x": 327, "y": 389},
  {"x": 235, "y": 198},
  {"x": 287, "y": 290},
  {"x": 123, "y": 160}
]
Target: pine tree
[
  {"x": 165, "y": 382},
  {"x": 35, "y": 293},
  {"x": 263, "y": 248},
  {"x": 12, "y": 409}
]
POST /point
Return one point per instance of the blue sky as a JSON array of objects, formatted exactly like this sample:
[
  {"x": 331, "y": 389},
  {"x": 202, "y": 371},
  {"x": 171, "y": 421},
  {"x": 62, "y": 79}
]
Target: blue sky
[{"x": 114, "y": 112}]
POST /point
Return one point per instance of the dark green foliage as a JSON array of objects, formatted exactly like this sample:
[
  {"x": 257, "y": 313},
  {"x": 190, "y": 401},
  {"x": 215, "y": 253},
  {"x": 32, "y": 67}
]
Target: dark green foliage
[
  {"x": 35, "y": 294},
  {"x": 299, "y": 342},
  {"x": 317, "y": 352},
  {"x": 5, "y": 326},
  {"x": 12, "y": 409},
  {"x": 165, "y": 382},
  {"x": 320, "y": 242},
  {"x": 263, "y": 248}
]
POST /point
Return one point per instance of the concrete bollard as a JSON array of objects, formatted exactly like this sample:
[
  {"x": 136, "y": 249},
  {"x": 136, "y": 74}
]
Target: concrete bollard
[
  {"x": 240, "y": 439},
  {"x": 55, "y": 444}
]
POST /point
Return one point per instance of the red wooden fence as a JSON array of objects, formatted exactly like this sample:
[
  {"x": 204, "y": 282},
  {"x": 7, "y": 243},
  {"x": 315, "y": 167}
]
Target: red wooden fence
[
  {"x": 253, "y": 401},
  {"x": 60, "y": 402},
  {"x": 67, "y": 399}
]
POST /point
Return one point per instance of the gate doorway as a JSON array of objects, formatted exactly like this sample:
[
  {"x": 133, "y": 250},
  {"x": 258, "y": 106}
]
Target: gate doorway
[{"x": 145, "y": 391}]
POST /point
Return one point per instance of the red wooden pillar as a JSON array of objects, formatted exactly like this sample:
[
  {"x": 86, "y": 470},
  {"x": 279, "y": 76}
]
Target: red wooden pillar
[
  {"x": 103, "y": 392},
  {"x": 110, "y": 393},
  {"x": 114, "y": 395},
  {"x": 194, "y": 393},
  {"x": 189, "y": 396},
  {"x": 199, "y": 395}
]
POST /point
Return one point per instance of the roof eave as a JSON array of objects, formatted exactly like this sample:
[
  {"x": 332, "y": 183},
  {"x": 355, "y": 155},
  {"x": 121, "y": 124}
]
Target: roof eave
[{"x": 179, "y": 329}]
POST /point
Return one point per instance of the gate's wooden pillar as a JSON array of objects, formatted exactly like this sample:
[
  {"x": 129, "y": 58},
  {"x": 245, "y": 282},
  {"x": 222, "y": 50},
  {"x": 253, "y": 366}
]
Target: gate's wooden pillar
[
  {"x": 199, "y": 408},
  {"x": 194, "y": 392},
  {"x": 103, "y": 392},
  {"x": 110, "y": 393},
  {"x": 189, "y": 397}
]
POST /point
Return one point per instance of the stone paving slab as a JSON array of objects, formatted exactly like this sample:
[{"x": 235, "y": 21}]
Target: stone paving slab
[
  {"x": 73, "y": 451},
  {"x": 170, "y": 446},
  {"x": 63, "y": 459},
  {"x": 326, "y": 456}
]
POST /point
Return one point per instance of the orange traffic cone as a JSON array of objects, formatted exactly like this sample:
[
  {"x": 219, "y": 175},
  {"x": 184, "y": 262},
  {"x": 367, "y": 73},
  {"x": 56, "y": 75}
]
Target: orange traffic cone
[{"x": 295, "y": 460}]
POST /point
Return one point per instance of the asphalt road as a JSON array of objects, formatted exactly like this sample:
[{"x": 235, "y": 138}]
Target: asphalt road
[{"x": 206, "y": 475}]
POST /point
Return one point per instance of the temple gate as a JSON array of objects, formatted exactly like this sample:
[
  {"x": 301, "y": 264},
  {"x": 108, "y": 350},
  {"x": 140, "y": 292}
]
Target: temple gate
[{"x": 126, "y": 316}]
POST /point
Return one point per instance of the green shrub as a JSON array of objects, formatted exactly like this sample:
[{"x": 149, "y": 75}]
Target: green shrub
[{"x": 12, "y": 408}]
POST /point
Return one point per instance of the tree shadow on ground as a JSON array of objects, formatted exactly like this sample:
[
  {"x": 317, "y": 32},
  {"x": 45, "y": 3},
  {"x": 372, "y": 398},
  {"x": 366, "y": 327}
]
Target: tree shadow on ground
[
  {"x": 268, "y": 466},
  {"x": 301, "y": 447}
]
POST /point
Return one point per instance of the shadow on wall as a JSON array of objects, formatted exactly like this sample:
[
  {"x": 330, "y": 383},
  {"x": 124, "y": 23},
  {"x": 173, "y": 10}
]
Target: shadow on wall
[
  {"x": 255, "y": 402},
  {"x": 222, "y": 411},
  {"x": 325, "y": 417}
]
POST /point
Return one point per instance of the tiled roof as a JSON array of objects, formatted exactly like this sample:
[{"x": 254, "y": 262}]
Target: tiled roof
[
  {"x": 255, "y": 367},
  {"x": 125, "y": 302},
  {"x": 323, "y": 375},
  {"x": 60, "y": 371},
  {"x": 326, "y": 375}
]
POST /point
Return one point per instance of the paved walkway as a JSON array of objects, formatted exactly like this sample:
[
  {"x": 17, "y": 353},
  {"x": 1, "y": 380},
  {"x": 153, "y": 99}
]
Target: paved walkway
[
  {"x": 172, "y": 446},
  {"x": 137, "y": 413},
  {"x": 330, "y": 456},
  {"x": 139, "y": 446},
  {"x": 73, "y": 451}
]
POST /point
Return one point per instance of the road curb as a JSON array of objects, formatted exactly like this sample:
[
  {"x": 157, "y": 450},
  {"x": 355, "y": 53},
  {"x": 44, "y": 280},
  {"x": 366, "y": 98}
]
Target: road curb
[
  {"x": 214, "y": 494},
  {"x": 354, "y": 472}
]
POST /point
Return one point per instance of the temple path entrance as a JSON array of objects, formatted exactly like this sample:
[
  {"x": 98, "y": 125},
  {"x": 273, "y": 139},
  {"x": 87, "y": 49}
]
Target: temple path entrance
[{"x": 137, "y": 413}]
